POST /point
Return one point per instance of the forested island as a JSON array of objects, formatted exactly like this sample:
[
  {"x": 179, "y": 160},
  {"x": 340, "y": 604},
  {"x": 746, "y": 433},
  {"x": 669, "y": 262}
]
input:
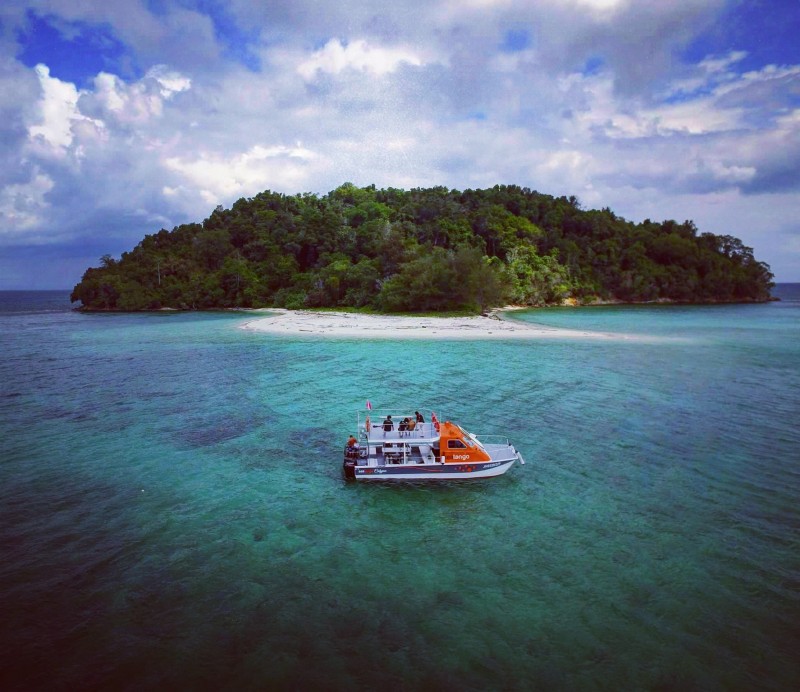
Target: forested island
[{"x": 431, "y": 249}]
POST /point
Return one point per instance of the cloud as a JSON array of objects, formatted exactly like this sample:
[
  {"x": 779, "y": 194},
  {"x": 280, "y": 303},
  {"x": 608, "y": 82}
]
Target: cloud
[
  {"x": 636, "y": 40},
  {"x": 58, "y": 109},
  {"x": 218, "y": 178},
  {"x": 776, "y": 157},
  {"x": 137, "y": 102},
  {"x": 21, "y": 207},
  {"x": 601, "y": 5},
  {"x": 171, "y": 82},
  {"x": 595, "y": 98},
  {"x": 336, "y": 57}
]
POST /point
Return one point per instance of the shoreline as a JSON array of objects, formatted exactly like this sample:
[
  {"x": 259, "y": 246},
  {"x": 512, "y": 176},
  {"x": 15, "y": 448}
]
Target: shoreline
[
  {"x": 350, "y": 325},
  {"x": 566, "y": 303}
]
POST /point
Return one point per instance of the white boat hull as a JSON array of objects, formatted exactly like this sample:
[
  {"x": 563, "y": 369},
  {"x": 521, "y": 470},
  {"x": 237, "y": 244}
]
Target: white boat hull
[{"x": 432, "y": 472}]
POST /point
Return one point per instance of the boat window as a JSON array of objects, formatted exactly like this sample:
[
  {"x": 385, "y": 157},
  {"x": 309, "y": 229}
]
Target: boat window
[{"x": 455, "y": 444}]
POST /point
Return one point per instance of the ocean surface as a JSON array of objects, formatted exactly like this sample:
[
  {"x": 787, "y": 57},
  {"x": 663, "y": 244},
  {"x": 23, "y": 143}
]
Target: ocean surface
[{"x": 173, "y": 515}]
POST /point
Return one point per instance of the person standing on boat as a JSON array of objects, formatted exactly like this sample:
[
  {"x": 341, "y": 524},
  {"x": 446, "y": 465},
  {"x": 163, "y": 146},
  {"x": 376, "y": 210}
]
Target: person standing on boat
[
  {"x": 351, "y": 451},
  {"x": 420, "y": 422},
  {"x": 388, "y": 425}
]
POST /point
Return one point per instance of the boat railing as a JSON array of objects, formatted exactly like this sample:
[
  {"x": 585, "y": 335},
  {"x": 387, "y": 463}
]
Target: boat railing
[{"x": 421, "y": 431}]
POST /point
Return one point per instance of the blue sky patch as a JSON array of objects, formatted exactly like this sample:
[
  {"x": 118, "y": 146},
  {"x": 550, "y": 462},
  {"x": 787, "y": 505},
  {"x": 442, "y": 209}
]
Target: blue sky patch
[
  {"x": 74, "y": 51},
  {"x": 593, "y": 65},
  {"x": 767, "y": 31},
  {"x": 515, "y": 40}
]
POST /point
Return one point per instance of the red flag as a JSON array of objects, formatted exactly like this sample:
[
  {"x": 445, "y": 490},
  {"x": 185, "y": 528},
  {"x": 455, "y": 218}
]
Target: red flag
[
  {"x": 434, "y": 420},
  {"x": 369, "y": 405}
]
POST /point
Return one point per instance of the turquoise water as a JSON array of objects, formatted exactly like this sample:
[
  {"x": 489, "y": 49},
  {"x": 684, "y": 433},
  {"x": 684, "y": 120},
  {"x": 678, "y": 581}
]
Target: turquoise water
[{"x": 172, "y": 512}]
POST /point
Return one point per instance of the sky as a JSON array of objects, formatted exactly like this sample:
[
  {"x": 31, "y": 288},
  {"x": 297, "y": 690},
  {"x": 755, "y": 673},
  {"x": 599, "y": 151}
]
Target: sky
[{"x": 118, "y": 119}]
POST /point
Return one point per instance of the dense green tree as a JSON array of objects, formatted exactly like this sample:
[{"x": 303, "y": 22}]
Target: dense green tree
[
  {"x": 481, "y": 282},
  {"x": 537, "y": 279},
  {"x": 424, "y": 283},
  {"x": 422, "y": 249}
]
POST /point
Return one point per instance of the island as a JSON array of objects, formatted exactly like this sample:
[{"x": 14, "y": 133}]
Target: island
[{"x": 421, "y": 250}]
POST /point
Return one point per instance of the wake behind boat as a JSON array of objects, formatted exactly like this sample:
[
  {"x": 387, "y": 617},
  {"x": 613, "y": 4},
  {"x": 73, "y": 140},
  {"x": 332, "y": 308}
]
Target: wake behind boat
[{"x": 395, "y": 446}]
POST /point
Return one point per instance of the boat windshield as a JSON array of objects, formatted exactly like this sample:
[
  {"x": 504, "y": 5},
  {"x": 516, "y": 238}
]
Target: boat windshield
[
  {"x": 470, "y": 439},
  {"x": 466, "y": 437}
]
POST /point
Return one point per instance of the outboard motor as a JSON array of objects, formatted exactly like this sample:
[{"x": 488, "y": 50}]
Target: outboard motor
[{"x": 349, "y": 463}]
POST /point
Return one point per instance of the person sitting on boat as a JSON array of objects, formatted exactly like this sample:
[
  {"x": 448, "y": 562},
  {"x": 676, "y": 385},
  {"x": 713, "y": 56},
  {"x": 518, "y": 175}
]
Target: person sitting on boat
[
  {"x": 410, "y": 424},
  {"x": 388, "y": 425},
  {"x": 402, "y": 427}
]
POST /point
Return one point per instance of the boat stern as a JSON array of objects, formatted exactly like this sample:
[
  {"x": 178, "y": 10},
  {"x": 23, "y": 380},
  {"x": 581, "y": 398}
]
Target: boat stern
[{"x": 351, "y": 455}]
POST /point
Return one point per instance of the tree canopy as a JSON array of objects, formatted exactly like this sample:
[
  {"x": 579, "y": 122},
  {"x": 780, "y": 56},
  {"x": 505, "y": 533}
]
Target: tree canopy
[{"x": 413, "y": 250}]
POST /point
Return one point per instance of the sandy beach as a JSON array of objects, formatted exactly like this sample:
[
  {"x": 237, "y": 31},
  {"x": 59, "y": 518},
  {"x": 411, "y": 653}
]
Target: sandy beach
[{"x": 357, "y": 325}]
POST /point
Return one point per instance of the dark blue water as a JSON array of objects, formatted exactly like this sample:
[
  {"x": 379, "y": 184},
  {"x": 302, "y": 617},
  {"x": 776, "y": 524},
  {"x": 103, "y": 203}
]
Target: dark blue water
[{"x": 172, "y": 513}]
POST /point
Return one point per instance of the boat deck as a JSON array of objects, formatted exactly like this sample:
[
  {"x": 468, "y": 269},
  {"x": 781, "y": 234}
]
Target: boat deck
[
  {"x": 391, "y": 447},
  {"x": 423, "y": 449},
  {"x": 383, "y": 454}
]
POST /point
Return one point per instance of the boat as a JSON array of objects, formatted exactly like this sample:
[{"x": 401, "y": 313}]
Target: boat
[{"x": 394, "y": 446}]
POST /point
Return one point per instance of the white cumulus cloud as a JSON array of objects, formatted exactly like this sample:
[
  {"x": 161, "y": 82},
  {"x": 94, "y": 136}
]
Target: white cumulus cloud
[
  {"x": 587, "y": 97},
  {"x": 220, "y": 178},
  {"x": 21, "y": 205},
  {"x": 57, "y": 110},
  {"x": 335, "y": 57}
]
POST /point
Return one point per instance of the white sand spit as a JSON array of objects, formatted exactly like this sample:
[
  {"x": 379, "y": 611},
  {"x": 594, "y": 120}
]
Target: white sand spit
[{"x": 361, "y": 326}]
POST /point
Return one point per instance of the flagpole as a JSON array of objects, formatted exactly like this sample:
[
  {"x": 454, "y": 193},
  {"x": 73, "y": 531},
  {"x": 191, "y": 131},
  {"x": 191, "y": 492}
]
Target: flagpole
[{"x": 366, "y": 423}]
